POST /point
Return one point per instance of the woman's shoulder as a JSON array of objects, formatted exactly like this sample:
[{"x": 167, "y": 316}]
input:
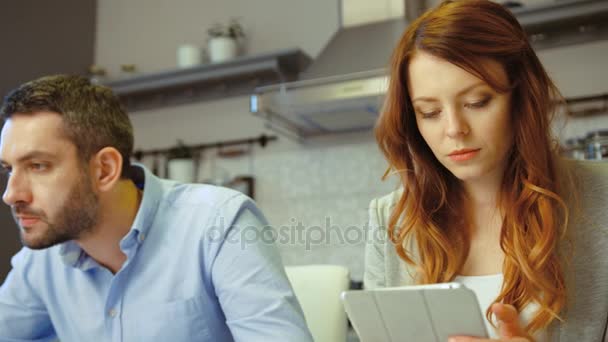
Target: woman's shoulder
[
  {"x": 383, "y": 266},
  {"x": 380, "y": 208},
  {"x": 594, "y": 170},
  {"x": 586, "y": 197},
  {"x": 588, "y": 171},
  {"x": 588, "y": 178},
  {"x": 388, "y": 201},
  {"x": 587, "y": 243}
]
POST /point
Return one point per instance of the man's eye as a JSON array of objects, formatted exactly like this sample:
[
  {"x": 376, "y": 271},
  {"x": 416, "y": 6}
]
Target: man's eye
[{"x": 39, "y": 166}]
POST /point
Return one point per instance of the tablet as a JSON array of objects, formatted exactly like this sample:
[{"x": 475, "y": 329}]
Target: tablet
[{"x": 414, "y": 313}]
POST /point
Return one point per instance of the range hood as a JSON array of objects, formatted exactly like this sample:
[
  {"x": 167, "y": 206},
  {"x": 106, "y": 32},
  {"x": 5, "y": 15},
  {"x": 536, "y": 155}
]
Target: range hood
[{"x": 343, "y": 89}]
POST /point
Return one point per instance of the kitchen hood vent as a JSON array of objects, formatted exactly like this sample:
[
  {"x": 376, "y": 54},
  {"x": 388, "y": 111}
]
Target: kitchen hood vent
[{"x": 343, "y": 89}]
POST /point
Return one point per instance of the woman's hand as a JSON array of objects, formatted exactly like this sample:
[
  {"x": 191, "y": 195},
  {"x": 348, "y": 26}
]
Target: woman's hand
[{"x": 509, "y": 328}]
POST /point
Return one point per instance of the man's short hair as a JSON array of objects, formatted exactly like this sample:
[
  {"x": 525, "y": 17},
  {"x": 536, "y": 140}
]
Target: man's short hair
[{"x": 92, "y": 115}]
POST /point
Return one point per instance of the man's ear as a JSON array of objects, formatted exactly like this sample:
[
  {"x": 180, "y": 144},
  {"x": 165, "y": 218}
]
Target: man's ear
[{"x": 106, "y": 166}]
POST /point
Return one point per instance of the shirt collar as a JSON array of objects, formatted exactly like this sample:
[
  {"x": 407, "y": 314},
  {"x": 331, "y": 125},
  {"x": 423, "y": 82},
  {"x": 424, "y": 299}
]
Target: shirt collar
[
  {"x": 71, "y": 253},
  {"x": 152, "y": 194}
]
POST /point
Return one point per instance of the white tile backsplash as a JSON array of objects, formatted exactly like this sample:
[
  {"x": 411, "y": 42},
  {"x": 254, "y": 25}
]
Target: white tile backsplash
[
  {"x": 320, "y": 192},
  {"x": 325, "y": 187}
]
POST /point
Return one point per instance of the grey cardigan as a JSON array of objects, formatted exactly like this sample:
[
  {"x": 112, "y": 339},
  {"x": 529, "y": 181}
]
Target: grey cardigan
[{"x": 586, "y": 313}]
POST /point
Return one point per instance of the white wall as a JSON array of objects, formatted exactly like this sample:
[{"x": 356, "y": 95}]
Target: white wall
[
  {"x": 332, "y": 177},
  {"x": 147, "y": 32},
  {"x": 579, "y": 70},
  {"x": 357, "y": 12}
]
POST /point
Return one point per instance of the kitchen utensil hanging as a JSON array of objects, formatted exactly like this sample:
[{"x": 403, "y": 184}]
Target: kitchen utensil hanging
[{"x": 225, "y": 149}]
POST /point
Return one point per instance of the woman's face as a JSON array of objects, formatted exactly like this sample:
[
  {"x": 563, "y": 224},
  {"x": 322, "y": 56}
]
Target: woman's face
[{"x": 465, "y": 122}]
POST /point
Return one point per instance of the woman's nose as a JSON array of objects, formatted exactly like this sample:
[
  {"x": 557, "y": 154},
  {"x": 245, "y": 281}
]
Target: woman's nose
[{"x": 457, "y": 125}]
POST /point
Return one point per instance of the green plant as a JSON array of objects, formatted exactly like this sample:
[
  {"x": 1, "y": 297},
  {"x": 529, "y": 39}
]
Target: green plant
[
  {"x": 181, "y": 151},
  {"x": 232, "y": 30}
]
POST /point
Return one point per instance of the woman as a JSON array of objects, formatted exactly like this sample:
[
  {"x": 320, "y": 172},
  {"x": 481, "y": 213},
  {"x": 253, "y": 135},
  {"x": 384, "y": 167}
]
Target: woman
[{"x": 486, "y": 201}]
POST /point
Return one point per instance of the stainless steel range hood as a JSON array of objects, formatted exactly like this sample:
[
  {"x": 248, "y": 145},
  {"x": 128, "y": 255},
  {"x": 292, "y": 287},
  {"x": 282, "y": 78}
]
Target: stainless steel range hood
[{"x": 343, "y": 89}]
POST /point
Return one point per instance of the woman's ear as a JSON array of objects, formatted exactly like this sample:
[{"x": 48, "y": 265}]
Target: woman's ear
[{"x": 106, "y": 166}]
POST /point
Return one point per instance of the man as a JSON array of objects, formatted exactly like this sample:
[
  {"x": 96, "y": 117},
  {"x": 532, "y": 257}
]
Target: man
[{"x": 113, "y": 253}]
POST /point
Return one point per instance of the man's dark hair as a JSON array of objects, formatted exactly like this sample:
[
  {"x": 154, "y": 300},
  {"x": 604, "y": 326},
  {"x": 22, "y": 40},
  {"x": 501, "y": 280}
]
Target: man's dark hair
[{"x": 92, "y": 115}]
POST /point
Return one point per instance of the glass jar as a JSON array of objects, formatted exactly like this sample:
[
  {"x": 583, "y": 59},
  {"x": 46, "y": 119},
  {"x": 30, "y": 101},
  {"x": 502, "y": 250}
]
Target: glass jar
[
  {"x": 575, "y": 148},
  {"x": 597, "y": 145}
]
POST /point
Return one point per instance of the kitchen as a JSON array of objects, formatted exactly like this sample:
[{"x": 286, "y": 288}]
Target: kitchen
[{"x": 318, "y": 182}]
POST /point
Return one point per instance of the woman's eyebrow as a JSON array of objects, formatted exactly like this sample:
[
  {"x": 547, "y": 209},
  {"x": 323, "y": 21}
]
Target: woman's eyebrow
[{"x": 461, "y": 92}]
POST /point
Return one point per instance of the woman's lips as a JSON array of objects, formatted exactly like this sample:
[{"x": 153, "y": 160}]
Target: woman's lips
[{"x": 463, "y": 155}]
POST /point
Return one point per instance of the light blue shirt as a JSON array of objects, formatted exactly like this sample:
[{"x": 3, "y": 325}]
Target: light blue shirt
[{"x": 201, "y": 266}]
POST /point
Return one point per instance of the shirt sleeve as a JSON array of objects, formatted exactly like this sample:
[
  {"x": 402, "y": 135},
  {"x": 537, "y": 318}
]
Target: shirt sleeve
[
  {"x": 251, "y": 285},
  {"x": 373, "y": 275},
  {"x": 23, "y": 316}
]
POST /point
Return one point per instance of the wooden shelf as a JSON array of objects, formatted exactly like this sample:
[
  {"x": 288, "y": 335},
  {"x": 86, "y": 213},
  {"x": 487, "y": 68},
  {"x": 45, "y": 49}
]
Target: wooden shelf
[{"x": 210, "y": 81}]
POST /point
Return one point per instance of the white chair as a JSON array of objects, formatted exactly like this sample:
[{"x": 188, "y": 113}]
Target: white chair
[{"x": 318, "y": 289}]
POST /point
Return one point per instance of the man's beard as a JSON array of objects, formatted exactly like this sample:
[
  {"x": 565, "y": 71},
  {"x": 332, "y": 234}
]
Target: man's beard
[{"x": 76, "y": 217}]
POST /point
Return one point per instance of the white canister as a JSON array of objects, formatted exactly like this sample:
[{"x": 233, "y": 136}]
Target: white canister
[
  {"x": 181, "y": 170},
  {"x": 189, "y": 55},
  {"x": 222, "y": 49}
]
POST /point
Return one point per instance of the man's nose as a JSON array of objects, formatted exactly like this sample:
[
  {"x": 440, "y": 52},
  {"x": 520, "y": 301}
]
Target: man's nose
[{"x": 17, "y": 190}]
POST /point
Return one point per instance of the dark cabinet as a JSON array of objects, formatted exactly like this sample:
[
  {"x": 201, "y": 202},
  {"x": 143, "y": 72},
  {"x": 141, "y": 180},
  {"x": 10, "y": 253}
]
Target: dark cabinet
[{"x": 39, "y": 38}]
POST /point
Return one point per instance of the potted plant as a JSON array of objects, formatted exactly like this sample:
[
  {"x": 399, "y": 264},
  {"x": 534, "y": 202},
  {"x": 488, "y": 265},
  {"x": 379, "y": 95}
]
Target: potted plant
[
  {"x": 181, "y": 164},
  {"x": 223, "y": 41}
]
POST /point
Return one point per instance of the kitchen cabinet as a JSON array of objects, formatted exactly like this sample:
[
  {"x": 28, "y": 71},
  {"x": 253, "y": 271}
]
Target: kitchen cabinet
[
  {"x": 45, "y": 37},
  {"x": 9, "y": 236}
]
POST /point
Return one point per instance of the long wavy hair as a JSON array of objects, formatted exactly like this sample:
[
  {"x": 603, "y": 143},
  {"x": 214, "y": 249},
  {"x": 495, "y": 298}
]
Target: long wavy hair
[{"x": 429, "y": 211}]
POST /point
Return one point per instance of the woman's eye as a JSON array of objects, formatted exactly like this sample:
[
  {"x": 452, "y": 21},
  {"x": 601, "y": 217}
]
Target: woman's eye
[
  {"x": 428, "y": 115},
  {"x": 479, "y": 104}
]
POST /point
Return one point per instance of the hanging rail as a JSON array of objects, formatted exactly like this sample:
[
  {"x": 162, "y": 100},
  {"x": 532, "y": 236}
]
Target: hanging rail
[
  {"x": 575, "y": 109},
  {"x": 589, "y": 98},
  {"x": 262, "y": 140}
]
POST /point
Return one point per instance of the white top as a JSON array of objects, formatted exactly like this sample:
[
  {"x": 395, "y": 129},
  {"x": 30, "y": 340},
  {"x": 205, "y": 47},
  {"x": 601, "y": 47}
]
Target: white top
[{"x": 487, "y": 288}]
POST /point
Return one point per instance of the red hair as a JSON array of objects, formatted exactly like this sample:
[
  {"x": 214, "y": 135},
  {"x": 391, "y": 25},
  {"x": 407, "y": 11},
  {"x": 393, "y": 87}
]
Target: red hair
[{"x": 429, "y": 211}]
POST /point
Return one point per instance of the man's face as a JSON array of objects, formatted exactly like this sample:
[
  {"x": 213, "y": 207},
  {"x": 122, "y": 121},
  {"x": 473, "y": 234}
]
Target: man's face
[{"x": 49, "y": 188}]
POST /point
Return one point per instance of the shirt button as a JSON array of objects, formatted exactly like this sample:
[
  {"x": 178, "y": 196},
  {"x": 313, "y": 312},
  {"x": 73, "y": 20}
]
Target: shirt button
[
  {"x": 113, "y": 313},
  {"x": 142, "y": 236}
]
